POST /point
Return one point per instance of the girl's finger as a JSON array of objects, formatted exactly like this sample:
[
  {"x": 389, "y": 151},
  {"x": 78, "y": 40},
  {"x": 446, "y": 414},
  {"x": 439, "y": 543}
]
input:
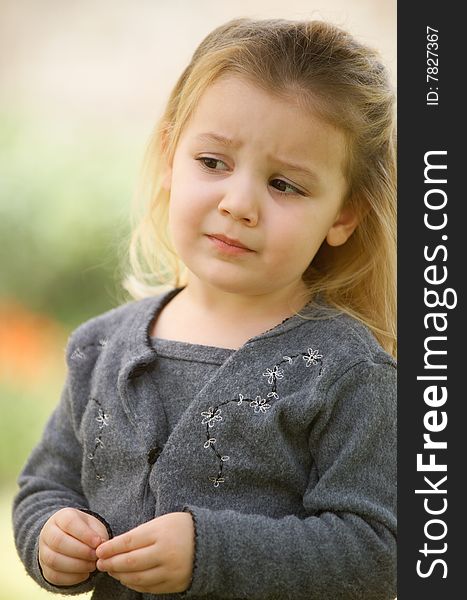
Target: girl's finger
[
  {"x": 139, "y": 537},
  {"x": 58, "y": 578},
  {"x": 97, "y": 526},
  {"x": 77, "y": 527},
  {"x": 65, "y": 564},
  {"x": 140, "y": 559},
  {"x": 61, "y": 542},
  {"x": 151, "y": 580}
]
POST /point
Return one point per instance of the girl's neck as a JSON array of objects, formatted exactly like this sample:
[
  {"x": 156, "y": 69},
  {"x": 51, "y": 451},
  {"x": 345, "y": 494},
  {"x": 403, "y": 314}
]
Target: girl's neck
[
  {"x": 203, "y": 315},
  {"x": 280, "y": 303}
]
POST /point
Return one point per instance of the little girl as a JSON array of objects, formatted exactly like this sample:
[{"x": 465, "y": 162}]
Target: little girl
[{"x": 234, "y": 437}]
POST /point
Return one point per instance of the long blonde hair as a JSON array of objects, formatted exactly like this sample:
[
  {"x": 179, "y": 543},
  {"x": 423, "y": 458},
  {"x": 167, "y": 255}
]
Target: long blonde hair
[{"x": 323, "y": 67}]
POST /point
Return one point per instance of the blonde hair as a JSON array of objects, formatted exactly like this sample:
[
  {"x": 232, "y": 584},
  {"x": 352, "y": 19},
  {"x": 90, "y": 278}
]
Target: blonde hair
[{"x": 322, "y": 67}]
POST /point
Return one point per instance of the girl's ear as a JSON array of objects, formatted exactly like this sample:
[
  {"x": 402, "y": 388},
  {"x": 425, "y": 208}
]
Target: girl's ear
[{"x": 343, "y": 227}]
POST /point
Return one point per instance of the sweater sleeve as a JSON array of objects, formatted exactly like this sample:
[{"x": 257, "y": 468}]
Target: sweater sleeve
[
  {"x": 49, "y": 481},
  {"x": 345, "y": 548}
]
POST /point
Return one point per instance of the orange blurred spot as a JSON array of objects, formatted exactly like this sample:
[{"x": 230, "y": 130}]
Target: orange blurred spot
[{"x": 31, "y": 344}]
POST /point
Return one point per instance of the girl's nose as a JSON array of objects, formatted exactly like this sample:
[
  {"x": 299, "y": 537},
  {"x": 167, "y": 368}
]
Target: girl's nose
[{"x": 241, "y": 205}]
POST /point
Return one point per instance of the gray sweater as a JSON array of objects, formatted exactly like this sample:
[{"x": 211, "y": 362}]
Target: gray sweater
[
  {"x": 179, "y": 373},
  {"x": 286, "y": 458}
]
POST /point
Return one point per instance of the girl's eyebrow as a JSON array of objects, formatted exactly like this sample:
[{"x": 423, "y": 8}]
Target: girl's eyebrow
[
  {"x": 230, "y": 143},
  {"x": 218, "y": 139}
]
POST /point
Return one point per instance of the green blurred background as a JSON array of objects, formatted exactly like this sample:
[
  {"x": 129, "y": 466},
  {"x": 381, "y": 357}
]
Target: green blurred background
[{"x": 82, "y": 84}]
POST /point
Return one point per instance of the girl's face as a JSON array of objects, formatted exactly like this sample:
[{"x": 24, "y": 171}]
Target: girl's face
[{"x": 256, "y": 185}]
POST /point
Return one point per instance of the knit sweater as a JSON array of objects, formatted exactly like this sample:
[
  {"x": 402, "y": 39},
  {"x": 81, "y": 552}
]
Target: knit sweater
[
  {"x": 286, "y": 459},
  {"x": 180, "y": 371}
]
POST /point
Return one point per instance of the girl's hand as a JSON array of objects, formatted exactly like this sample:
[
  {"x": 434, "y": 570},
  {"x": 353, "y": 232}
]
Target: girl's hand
[
  {"x": 67, "y": 546},
  {"x": 156, "y": 557}
]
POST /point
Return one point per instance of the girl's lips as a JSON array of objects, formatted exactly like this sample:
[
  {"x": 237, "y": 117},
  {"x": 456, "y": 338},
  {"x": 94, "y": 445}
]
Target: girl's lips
[{"x": 228, "y": 245}]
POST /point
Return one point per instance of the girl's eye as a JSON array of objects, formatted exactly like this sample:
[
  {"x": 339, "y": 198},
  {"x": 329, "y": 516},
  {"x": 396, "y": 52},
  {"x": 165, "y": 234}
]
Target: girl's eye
[
  {"x": 210, "y": 163},
  {"x": 281, "y": 186}
]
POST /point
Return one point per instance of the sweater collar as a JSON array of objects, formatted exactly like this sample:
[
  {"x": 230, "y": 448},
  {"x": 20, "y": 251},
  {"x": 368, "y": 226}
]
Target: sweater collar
[{"x": 138, "y": 333}]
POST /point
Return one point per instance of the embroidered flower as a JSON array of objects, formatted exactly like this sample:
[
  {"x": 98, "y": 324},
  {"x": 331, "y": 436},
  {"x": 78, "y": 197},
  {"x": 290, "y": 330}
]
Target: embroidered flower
[
  {"x": 240, "y": 399},
  {"x": 77, "y": 353},
  {"x": 273, "y": 374},
  {"x": 103, "y": 342},
  {"x": 102, "y": 419},
  {"x": 274, "y": 395},
  {"x": 260, "y": 404},
  {"x": 312, "y": 358},
  {"x": 211, "y": 416},
  {"x": 217, "y": 480},
  {"x": 288, "y": 359},
  {"x": 210, "y": 442}
]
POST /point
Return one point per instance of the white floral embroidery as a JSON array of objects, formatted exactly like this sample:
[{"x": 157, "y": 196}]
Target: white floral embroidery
[
  {"x": 77, "y": 353},
  {"x": 312, "y": 358},
  {"x": 273, "y": 374},
  {"x": 103, "y": 342},
  {"x": 211, "y": 416},
  {"x": 102, "y": 418},
  {"x": 260, "y": 404},
  {"x": 217, "y": 480}
]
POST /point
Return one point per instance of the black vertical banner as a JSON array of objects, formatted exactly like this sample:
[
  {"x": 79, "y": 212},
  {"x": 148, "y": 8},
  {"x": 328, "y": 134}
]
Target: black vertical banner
[{"x": 432, "y": 260}]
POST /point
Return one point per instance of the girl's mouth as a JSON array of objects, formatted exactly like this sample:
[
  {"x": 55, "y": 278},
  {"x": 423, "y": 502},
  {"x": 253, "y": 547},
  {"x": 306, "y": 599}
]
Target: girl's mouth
[{"x": 228, "y": 245}]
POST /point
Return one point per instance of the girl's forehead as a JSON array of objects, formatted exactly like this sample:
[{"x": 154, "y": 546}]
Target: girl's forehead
[
  {"x": 235, "y": 112},
  {"x": 237, "y": 93}
]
